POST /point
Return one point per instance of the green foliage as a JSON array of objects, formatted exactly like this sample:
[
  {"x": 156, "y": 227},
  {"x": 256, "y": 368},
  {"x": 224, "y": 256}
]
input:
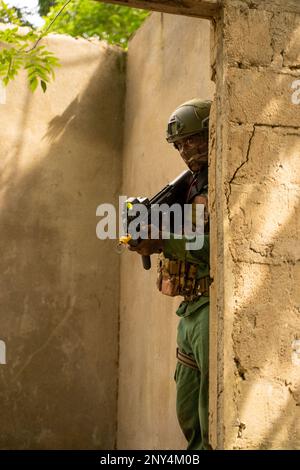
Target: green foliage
[
  {"x": 45, "y": 5},
  {"x": 20, "y": 50},
  {"x": 88, "y": 18}
]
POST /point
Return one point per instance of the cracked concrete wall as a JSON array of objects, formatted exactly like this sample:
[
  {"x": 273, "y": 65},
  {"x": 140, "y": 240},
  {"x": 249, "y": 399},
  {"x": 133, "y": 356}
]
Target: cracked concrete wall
[
  {"x": 168, "y": 63},
  {"x": 255, "y": 214},
  {"x": 59, "y": 298}
]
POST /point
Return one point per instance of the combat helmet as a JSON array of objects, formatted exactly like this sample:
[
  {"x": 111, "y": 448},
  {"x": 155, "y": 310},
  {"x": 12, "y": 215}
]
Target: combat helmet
[{"x": 191, "y": 117}]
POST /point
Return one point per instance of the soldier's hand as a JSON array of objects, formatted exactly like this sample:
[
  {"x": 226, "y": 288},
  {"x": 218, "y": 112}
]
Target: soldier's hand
[{"x": 148, "y": 246}]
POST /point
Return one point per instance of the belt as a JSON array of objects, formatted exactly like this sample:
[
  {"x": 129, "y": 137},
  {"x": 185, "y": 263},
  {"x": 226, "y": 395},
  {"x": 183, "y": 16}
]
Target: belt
[
  {"x": 201, "y": 289},
  {"x": 186, "y": 360}
]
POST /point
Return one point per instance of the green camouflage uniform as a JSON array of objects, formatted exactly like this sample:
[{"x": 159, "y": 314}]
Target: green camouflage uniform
[{"x": 193, "y": 340}]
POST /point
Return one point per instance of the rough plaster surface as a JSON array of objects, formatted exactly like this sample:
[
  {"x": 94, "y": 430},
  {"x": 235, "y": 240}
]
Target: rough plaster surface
[
  {"x": 168, "y": 63},
  {"x": 256, "y": 216},
  {"x": 60, "y": 158}
]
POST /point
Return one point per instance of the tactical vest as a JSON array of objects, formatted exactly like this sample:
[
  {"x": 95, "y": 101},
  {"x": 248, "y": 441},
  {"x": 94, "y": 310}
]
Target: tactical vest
[{"x": 176, "y": 277}]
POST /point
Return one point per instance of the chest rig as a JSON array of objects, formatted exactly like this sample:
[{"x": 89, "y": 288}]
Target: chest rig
[{"x": 176, "y": 277}]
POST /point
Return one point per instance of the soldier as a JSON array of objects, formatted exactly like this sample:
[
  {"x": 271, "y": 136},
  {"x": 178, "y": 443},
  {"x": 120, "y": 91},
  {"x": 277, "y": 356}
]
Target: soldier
[{"x": 187, "y": 272}]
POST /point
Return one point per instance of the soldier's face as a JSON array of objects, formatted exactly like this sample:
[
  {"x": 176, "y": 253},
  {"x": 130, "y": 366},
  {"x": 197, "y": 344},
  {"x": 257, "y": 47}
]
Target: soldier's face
[{"x": 194, "y": 151}]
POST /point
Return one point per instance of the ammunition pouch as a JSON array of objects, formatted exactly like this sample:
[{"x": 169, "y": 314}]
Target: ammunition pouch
[{"x": 177, "y": 277}]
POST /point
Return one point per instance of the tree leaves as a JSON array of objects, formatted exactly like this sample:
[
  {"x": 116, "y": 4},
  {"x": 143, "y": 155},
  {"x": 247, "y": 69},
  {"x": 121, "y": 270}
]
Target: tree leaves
[
  {"x": 40, "y": 67},
  {"x": 45, "y": 5},
  {"x": 87, "y": 18},
  {"x": 19, "y": 51}
]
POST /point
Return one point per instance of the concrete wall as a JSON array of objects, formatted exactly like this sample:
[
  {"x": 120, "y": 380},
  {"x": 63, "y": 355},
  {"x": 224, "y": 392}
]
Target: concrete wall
[
  {"x": 255, "y": 228},
  {"x": 168, "y": 63},
  {"x": 59, "y": 296}
]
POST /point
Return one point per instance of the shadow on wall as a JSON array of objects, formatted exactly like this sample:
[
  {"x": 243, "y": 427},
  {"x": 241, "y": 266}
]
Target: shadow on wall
[
  {"x": 266, "y": 143},
  {"x": 59, "y": 307}
]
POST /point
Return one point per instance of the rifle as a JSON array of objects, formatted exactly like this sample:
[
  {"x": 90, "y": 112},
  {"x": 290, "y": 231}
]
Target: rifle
[{"x": 174, "y": 192}]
